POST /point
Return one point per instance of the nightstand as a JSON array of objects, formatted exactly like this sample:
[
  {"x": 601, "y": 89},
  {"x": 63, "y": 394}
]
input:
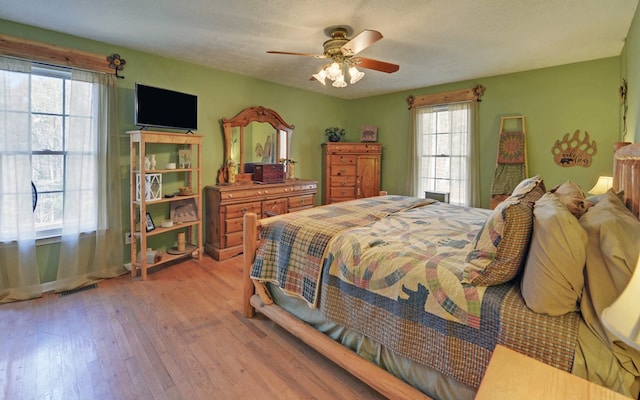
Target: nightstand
[{"x": 512, "y": 375}]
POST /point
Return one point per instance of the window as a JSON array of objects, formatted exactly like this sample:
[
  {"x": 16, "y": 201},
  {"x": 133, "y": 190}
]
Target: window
[
  {"x": 443, "y": 134},
  {"x": 50, "y": 117}
]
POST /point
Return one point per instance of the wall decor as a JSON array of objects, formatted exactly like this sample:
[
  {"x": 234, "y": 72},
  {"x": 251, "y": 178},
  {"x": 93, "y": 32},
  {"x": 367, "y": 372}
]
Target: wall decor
[
  {"x": 116, "y": 63},
  {"x": 572, "y": 151},
  {"x": 369, "y": 133}
]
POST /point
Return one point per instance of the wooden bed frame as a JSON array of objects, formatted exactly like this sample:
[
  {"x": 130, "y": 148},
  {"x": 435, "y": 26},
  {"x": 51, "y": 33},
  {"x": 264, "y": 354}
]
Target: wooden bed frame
[{"x": 256, "y": 297}]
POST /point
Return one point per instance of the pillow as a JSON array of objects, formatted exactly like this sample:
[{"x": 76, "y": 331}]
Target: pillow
[
  {"x": 553, "y": 278},
  {"x": 501, "y": 244},
  {"x": 612, "y": 253},
  {"x": 530, "y": 189},
  {"x": 596, "y": 198},
  {"x": 572, "y": 196}
]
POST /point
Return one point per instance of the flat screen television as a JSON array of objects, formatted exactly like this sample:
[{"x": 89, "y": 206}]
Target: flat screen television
[{"x": 163, "y": 108}]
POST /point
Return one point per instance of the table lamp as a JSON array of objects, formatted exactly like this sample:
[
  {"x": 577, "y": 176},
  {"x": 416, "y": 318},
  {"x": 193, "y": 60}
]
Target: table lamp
[{"x": 604, "y": 183}]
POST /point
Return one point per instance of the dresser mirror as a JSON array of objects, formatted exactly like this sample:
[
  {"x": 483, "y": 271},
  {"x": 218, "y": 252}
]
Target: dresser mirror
[{"x": 255, "y": 135}]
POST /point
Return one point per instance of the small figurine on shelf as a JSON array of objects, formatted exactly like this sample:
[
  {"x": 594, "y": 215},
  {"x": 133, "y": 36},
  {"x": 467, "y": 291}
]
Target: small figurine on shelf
[
  {"x": 147, "y": 163},
  {"x": 152, "y": 161}
]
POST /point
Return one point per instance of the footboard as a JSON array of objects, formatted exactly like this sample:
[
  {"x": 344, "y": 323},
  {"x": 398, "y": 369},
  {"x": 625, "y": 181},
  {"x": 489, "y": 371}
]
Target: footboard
[
  {"x": 250, "y": 232},
  {"x": 250, "y": 240},
  {"x": 257, "y": 296}
]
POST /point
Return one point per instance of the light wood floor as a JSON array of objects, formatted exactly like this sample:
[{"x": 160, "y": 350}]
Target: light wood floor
[{"x": 179, "y": 335}]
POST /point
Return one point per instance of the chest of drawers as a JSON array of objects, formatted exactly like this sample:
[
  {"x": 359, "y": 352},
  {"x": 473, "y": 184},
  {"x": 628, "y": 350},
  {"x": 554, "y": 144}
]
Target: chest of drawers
[{"x": 226, "y": 205}]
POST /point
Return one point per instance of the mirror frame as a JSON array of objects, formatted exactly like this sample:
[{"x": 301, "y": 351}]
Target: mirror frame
[{"x": 244, "y": 118}]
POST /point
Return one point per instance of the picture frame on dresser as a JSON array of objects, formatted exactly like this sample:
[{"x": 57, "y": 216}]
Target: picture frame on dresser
[{"x": 369, "y": 133}]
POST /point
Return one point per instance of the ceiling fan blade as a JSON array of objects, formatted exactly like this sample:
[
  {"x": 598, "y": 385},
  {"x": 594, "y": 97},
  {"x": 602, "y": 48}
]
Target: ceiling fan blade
[
  {"x": 288, "y": 53},
  {"x": 376, "y": 65},
  {"x": 360, "y": 42}
]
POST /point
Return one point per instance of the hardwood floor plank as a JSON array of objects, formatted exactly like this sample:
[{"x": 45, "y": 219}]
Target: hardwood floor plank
[{"x": 178, "y": 335}]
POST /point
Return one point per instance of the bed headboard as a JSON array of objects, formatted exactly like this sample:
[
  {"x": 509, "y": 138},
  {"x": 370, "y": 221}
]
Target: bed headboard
[{"x": 626, "y": 174}]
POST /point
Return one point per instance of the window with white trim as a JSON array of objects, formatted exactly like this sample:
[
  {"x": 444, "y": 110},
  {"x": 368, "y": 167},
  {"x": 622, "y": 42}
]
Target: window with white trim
[
  {"x": 51, "y": 118},
  {"x": 443, "y": 138}
]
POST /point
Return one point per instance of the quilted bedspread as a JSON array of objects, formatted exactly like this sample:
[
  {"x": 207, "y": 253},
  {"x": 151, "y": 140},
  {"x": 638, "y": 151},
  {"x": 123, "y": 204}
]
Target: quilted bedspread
[
  {"x": 391, "y": 268},
  {"x": 399, "y": 281},
  {"x": 292, "y": 250}
]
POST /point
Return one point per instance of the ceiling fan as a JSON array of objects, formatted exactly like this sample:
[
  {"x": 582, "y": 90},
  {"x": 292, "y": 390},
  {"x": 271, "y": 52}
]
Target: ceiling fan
[{"x": 342, "y": 52}]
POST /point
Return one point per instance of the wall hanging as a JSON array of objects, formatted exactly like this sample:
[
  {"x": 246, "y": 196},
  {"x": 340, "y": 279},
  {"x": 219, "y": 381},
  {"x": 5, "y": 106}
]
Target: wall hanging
[{"x": 571, "y": 151}]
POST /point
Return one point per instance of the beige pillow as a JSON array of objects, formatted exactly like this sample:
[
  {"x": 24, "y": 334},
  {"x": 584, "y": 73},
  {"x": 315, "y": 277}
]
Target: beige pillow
[
  {"x": 572, "y": 196},
  {"x": 553, "y": 274},
  {"x": 612, "y": 253}
]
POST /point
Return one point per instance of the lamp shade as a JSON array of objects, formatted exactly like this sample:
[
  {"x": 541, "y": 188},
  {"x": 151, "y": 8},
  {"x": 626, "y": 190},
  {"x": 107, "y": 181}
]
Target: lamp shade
[
  {"x": 622, "y": 317},
  {"x": 321, "y": 76},
  {"x": 604, "y": 183}
]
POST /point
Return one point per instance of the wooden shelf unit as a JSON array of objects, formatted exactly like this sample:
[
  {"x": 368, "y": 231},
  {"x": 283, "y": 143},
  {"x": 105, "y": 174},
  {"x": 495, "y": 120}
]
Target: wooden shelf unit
[{"x": 139, "y": 140}]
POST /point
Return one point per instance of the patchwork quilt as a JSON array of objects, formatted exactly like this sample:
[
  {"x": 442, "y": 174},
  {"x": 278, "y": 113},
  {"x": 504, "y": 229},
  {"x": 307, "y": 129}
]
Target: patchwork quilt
[
  {"x": 292, "y": 250},
  {"x": 399, "y": 281},
  {"x": 392, "y": 269}
]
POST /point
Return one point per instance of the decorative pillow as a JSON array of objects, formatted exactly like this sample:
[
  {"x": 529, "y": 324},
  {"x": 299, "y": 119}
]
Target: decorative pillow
[
  {"x": 501, "y": 244},
  {"x": 530, "y": 189},
  {"x": 572, "y": 196},
  {"x": 553, "y": 273}
]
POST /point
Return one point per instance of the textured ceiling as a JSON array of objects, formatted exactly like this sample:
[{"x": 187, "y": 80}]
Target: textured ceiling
[{"x": 433, "y": 41}]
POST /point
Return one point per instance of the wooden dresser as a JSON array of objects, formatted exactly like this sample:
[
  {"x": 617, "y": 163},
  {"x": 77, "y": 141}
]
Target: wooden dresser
[
  {"x": 350, "y": 170},
  {"x": 226, "y": 204}
]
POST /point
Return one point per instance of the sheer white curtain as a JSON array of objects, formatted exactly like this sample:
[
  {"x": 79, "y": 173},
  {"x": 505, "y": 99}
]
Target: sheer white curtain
[
  {"x": 443, "y": 151},
  {"x": 91, "y": 246},
  {"x": 19, "y": 276}
]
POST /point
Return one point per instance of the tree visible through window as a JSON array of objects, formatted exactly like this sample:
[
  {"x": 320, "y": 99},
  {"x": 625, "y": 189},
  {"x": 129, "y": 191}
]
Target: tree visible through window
[{"x": 54, "y": 132}]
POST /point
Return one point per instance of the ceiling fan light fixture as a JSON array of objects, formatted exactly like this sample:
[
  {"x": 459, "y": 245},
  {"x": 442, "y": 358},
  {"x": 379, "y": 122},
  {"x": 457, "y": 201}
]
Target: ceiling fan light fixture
[
  {"x": 355, "y": 74},
  {"x": 321, "y": 77},
  {"x": 339, "y": 82},
  {"x": 334, "y": 70}
]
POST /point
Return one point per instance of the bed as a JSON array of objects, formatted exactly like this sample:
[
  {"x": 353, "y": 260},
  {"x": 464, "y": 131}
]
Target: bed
[{"x": 412, "y": 295}]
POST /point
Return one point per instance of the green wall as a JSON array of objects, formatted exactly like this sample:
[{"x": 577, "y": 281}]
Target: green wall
[
  {"x": 554, "y": 101},
  {"x": 630, "y": 70}
]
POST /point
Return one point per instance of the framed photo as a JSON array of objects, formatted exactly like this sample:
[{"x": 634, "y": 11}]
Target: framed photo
[
  {"x": 369, "y": 133},
  {"x": 149, "y": 222},
  {"x": 184, "y": 211}
]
